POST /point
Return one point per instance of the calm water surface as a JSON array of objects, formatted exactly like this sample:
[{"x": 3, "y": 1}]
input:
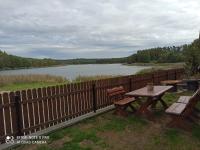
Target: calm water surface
[{"x": 72, "y": 71}]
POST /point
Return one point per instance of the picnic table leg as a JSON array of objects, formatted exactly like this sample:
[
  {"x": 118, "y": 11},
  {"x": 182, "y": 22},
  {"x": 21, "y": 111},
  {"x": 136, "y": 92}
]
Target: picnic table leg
[
  {"x": 120, "y": 110},
  {"x": 196, "y": 113},
  {"x": 175, "y": 88},
  {"x": 138, "y": 100},
  {"x": 132, "y": 108},
  {"x": 162, "y": 102},
  {"x": 143, "y": 110},
  {"x": 179, "y": 122},
  {"x": 153, "y": 106}
]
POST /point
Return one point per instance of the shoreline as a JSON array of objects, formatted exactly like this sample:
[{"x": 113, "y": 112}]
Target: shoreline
[{"x": 126, "y": 64}]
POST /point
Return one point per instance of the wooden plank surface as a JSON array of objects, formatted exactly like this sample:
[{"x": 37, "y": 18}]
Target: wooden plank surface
[
  {"x": 184, "y": 99},
  {"x": 54, "y": 104},
  {"x": 171, "y": 82},
  {"x": 36, "y": 108},
  {"x": 14, "y": 113},
  {"x": 41, "y": 108},
  {"x": 158, "y": 90},
  {"x": 62, "y": 101},
  {"x": 176, "y": 108},
  {"x": 58, "y": 103},
  {"x": 70, "y": 100},
  {"x": 86, "y": 98},
  {"x": 50, "y": 105},
  {"x": 25, "y": 113},
  {"x": 45, "y": 104},
  {"x": 66, "y": 101},
  {"x": 7, "y": 114},
  {"x": 30, "y": 109},
  {"x": 2, "y": 131}
]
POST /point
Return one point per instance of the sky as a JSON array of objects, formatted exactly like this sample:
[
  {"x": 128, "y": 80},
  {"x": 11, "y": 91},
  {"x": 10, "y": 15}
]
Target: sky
[{"x": 64, "y": 29}]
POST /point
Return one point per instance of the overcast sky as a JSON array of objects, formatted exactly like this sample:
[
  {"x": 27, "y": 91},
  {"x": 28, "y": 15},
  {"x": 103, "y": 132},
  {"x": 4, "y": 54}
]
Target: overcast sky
[{"x": 95, "y": 28}]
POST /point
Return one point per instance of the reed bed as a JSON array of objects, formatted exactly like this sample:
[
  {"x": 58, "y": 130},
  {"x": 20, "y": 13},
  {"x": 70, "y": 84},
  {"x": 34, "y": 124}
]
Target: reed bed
[
  {"x": 14, "y": 79},
  {"x": 22, "y": 82}
]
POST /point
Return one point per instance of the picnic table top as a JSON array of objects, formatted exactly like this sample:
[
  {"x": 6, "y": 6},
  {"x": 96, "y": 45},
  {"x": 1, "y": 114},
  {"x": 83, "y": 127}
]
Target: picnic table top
[
  {"x": 143, "y": 92},
  {"x": 171, "y": 81}
]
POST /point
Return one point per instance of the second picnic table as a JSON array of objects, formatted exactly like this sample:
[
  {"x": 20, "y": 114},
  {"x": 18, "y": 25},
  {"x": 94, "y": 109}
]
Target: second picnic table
[
  {"x": 172, "y": 83},
  {"x": 152, "y": 97}
]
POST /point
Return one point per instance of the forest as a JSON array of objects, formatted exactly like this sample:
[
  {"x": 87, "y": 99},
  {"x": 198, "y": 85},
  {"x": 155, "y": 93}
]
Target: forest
[
  {"x": 12, "y": 62},
  {"x": 158, "y": 55}
]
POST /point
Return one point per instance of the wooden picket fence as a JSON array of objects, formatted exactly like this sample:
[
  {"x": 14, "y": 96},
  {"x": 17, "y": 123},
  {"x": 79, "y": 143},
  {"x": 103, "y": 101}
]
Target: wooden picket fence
[{"x": 28, "y": 111}]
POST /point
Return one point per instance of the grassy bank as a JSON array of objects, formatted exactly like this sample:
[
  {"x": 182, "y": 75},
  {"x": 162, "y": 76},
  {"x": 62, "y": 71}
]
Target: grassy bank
[
  {"x": 158, "y": 66},
  {"x": 20, "y": 82}
]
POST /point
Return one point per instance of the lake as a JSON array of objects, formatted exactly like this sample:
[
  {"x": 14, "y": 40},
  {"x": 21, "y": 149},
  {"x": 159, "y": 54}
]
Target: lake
[{"x": 72, "y": 71}]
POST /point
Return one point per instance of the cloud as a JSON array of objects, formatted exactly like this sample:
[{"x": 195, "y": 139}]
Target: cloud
[{"x": 88, "y": 28}]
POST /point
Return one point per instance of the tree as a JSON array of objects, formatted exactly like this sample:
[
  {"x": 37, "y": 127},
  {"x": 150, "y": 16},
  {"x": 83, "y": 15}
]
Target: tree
[{"x": 192, "y": 57}]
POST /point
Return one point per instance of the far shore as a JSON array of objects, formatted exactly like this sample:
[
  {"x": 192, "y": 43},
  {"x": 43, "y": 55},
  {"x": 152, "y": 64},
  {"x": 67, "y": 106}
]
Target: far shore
[{"x": 155, "y": 64}]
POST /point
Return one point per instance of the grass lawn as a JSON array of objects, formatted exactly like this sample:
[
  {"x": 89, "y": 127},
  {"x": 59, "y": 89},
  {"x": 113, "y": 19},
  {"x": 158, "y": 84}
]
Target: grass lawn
[{"x": 110, "y": 132}]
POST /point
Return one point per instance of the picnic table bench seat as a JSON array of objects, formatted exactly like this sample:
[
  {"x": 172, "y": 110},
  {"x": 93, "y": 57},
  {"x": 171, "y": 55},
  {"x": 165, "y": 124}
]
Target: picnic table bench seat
[
  {"x": 184, "y": 99},
  {"x": 176, "y": 108},
  {"x": 125, "y": 101},
  {"x": 183, "y": 110},
  {"x": 121, "y": 102}
]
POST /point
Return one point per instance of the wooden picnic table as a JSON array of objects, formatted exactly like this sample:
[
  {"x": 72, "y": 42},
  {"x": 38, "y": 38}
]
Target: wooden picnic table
[
  {"x": 172, "y": 83},
  {"x": 152, "y": 98}
]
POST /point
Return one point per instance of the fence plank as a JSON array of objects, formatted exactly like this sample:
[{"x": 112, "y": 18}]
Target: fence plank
[
  {"x": 70, "y": 101},
  {"x": 31, "y": 109},
  {"x": 58, "y": 101},
  {"x": 73, "y": 101},
  {"x": 54, "y": 105},
  {"x": 13, "y": 113},
  {"x": 76, "y": 100},
  {"x": 50, "y": 105},
  {"x": 62, "y": 102},
  {"x": 25, "y": 114},
  {"x": 7, "y": 114},
  {"x": 79, "y": 99},
  {"x": 41, "y": 108},
  {"x": 2, "y": 132},
  {"x": 66, "y": 101},
  {"x": 46, "y": 107},
  {"x": 85, "y": 98},
  {"x": 35, "y": 108}
]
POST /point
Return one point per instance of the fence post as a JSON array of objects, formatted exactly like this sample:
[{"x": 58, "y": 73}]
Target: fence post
[
  {"x": 94, "y": 97},
  {"x": 175, "y": 75},
  {"x": 167, "y": 75},
  {"x": 153, "y": 78},
  {"x": 18, "y": 114},
  {"x": 130, "y": 84}
]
